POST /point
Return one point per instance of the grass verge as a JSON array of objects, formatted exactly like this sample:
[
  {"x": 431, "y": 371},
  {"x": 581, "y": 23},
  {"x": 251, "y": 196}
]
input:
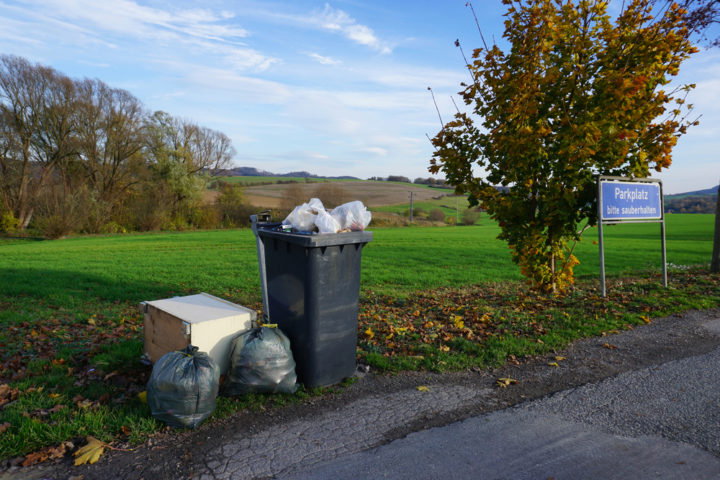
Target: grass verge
[{"x": 62, "y": 391}]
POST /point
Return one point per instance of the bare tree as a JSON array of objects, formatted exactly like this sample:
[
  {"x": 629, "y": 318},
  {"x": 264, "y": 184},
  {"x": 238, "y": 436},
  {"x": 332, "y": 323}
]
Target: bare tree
[
  {"x": 110, "y": 137},
  {"x": 212, "y": 150},
  {"x": 36, "y": 105}
]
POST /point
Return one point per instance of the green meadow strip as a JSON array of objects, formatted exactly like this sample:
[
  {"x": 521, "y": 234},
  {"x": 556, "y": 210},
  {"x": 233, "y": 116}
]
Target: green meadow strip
[{"x": 438, "y": 299}]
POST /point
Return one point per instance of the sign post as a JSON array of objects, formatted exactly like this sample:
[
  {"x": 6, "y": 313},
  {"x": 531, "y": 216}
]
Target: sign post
[{"x": 625, "y": 200}]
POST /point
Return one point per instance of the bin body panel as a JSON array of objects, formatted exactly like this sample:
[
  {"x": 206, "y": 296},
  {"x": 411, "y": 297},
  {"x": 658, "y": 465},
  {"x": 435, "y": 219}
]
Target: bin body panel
[{"x": 313, "y": 297}]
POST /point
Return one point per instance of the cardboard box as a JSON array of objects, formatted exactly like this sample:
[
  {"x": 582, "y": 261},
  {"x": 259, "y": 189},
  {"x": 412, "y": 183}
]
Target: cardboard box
[{"x": 205, "y": 321}]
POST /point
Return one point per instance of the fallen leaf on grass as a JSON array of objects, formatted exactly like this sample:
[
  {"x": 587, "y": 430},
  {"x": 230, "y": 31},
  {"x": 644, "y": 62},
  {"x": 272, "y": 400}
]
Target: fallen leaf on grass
[
  {"x": 45, "y": 454},
  {"x": 504, "y": 382},
  {"x": 423, "y": 388},
  {"x": 609, "y": 346},
  {"x": 7, "y": 394},
  {"x": 85, "y": 403},
  {"x": 142, "y": 396},
  {"x": 125, "y": 430},
  {"x": 645, "y": 319},
  {"x": 4, "y": 427},
  {"x": 91, "y": 452}
]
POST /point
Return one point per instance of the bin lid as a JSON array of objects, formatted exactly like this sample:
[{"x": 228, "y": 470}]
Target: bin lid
[{"x": 319, "y": 240}]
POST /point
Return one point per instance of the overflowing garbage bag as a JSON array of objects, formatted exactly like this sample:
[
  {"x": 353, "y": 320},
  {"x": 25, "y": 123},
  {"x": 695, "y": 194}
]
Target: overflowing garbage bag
[
  {"x": 351, "y": 216},
  {"x": 261, "y": 362},
  {"x": 183, "y": 387}
]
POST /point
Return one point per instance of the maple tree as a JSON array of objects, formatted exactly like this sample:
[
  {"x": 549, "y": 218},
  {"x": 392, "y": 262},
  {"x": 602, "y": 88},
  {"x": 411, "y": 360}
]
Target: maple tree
[{"x": 576, "y": 94}]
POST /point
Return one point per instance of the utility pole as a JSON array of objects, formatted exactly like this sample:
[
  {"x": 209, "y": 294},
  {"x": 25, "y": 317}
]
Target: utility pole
[
  {"x": 411, "y": 207},
  {"x": 457, "y": 210},
  {"x": 715, "y": 262}
]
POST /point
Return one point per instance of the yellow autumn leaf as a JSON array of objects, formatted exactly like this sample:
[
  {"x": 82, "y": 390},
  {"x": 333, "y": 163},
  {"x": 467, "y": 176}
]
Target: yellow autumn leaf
[
  {"x": 142, "y": 396},
  {"x": 553, "y": 364},
  {"x": 91, "y": 452},
  {"x": 645, "y": 319},
  {"x": 505, "y": 381},
  {"x": 423, "y": 388},
  {"x": 369, "y": 333},
  {"x": 559, "y": 358}
]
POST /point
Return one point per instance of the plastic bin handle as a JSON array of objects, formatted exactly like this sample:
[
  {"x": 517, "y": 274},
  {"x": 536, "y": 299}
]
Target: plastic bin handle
[{"x": 261, "y": 266}]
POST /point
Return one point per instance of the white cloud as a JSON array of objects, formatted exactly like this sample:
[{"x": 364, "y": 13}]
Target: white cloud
[
  {"x": 234, "y": 86},
  {"x": 322, "y": 59},
  {"x": 130, "y": 18},
  {"x": 121, "y": 24},
  {"x": 378, "y": 151},
  {"x": 338, "y": 21}
]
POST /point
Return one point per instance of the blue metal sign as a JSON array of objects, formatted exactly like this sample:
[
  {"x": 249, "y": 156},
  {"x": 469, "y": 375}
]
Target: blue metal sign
[{"x": 630, "y": 201}]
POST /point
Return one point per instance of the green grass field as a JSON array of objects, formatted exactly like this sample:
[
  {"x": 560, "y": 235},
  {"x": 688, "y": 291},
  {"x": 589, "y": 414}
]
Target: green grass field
[
  {"x": 71, "y": 332},
  {"x": 451, "y": 206},
  {"x": 398, "y": 261}
]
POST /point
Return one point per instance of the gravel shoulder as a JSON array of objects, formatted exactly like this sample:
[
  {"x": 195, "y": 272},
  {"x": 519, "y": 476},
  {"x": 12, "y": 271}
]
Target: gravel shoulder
[{"x": 378, "y": 409}]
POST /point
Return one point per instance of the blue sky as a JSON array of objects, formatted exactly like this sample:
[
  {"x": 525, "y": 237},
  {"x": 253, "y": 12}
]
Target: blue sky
[{"x": 334, "y": 88}]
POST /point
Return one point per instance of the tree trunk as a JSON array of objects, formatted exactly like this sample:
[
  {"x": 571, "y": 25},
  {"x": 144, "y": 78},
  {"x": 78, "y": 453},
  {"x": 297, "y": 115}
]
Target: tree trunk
[{"x": 715, "y": 263}]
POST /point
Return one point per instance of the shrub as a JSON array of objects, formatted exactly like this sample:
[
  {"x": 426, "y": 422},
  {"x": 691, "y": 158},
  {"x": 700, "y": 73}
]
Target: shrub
[
  {"x": 470, "y": 217},
  {"x": 331, "y": 194},
  {"x": 205, "y": 217},
  {"x": 8, "y": 222},
  {"x": 230, "y": 207},
  {"x": 437, "y": 215}
]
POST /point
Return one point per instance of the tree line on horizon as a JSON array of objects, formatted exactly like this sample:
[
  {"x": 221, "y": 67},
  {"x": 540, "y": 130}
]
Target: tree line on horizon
[{"x": 81, "y": 156}]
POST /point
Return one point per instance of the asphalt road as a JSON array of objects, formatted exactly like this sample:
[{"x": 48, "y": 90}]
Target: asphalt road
[{"x": 661, "y": 422}]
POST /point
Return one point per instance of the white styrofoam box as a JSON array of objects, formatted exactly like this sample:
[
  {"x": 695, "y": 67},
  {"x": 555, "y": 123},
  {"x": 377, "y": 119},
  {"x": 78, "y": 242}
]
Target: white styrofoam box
[{"x": 205, "y": 321}]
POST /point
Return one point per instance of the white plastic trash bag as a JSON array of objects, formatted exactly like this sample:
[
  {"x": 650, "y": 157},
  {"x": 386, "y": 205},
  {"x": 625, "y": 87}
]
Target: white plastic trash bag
[
  {"x": 326, "y": 223},
  {"x": 352, "y": 216},
  {"x": 309, "y": 216},
  {"x": 302, "y": 218}
]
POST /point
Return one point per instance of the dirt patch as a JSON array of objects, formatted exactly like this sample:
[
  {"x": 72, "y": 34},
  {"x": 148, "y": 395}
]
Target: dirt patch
[
  {"x": 178, "y": 455},
  {"x": 372, "y": 194}
]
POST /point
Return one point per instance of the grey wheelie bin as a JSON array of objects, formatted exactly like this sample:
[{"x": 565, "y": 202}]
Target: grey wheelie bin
[{"x": 313, "y": 283}]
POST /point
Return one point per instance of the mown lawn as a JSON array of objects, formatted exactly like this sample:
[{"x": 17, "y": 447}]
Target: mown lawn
[{"x": 431, "y": 298}]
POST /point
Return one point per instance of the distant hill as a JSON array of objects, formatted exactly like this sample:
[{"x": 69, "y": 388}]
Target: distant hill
[
  {"x": 696, "y": 193},
  {"x": 254, "y": 172},
  {"x": 699, "y": 201}
]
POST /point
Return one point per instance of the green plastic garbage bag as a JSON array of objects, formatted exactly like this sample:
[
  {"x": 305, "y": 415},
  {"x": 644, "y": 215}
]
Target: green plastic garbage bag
[
  {"x": 183, "y": 387},
  {"x": 261, "y": 362}
]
